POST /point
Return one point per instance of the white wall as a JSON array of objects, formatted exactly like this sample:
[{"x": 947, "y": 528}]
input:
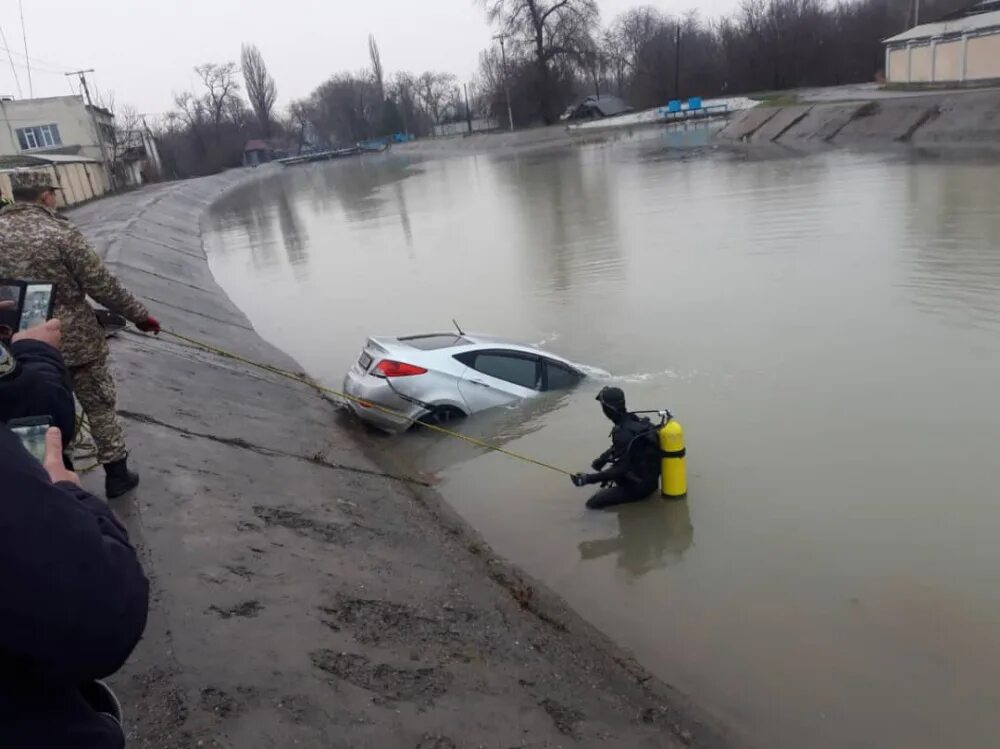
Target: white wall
[
  {"x": 971, "y": 57},
  {"x": 79, "y": 181},
  {"x": 76, "y": 128},
  {"x": 983, "y": 59}
]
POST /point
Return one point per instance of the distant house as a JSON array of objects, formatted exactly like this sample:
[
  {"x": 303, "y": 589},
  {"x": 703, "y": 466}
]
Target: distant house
[
  {"x": 962, "y": 47},
  {"x": 257, "y": 152},
  {"x": 595, "y": 106},
  {"x": 66, "y": 126}
]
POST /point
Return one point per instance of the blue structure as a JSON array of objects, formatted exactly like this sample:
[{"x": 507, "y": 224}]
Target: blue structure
[{"x": 693, "y": 108}]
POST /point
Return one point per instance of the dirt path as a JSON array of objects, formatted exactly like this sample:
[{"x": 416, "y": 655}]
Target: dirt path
[{"x": 302, "y": 598}]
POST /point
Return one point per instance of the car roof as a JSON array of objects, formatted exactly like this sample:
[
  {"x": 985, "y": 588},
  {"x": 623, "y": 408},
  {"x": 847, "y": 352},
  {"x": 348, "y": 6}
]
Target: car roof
[{"x": 475, "y": 342}]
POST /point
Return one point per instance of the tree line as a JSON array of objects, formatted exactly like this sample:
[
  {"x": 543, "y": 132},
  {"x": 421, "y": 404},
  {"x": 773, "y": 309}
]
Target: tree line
[
  {"x": 208, "y": 129},
  {"x": 557, "y": 50},
  {"x": 548, "y": 53}
]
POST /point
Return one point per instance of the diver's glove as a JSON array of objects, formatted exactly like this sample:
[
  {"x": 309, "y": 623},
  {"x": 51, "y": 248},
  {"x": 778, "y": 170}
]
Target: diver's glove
[
  {"x": 598, "y": 464},
  {"x": 581, "y": 479}
]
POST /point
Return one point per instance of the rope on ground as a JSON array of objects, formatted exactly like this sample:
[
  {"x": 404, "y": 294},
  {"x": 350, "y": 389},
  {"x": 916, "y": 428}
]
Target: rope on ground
[
  {"x": 209, "y": 348},
  {"x": 83, "y": 446}
]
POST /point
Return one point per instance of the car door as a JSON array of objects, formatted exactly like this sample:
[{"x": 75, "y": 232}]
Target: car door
[
  {"x": 558, "y": 376},
  {"x": 499, "y": 377}
]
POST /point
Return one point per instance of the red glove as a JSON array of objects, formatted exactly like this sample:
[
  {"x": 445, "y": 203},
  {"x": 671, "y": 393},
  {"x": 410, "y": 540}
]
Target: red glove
[{"x": 149, "y": 325}]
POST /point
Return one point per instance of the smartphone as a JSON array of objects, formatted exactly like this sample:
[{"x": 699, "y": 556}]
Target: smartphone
[
  {"x": 24, "y": 304},
  {"x": 31, "y": 431},
  {"x": 11, "y": 301},
  {"x": 39, "y": 300}
]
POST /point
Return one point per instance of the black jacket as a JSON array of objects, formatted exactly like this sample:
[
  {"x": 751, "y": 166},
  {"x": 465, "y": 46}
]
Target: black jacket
[
  {"x": 40, "y": 386},
  {"x": 73, "y": 602},
  {"x": 634, "y": 454}
]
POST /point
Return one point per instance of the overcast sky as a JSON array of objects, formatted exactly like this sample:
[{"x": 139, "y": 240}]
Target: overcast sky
[{"x": 144, "y": 50}]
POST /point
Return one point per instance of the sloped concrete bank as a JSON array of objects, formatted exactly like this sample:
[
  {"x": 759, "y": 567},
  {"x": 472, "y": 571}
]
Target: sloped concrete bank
[
  {"x": 957, "y": 120},
  {"x": 301, "y": 596}
]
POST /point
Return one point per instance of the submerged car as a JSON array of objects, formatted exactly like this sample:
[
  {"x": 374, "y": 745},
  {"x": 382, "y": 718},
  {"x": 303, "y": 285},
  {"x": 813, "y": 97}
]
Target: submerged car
[{"x": 440, "y": 377}]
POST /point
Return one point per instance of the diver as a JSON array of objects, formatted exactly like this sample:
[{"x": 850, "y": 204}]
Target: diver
[{"x": 634, "y": 456}]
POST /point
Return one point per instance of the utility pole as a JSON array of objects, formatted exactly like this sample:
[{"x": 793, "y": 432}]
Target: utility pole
[
  {"x": 468, "y": 111},
  {"x": 97, "y": 130},
  {"x": 506, "y": 85},
  {"x": 677, "y": 63}
]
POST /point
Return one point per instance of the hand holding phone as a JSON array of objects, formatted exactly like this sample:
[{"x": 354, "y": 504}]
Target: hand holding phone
[
  {"x": 44, "y": 442},
  {"x": 53, "y": 461},
  {"x": 31, "y": 431},
  {"x": 49, "y": 332}
]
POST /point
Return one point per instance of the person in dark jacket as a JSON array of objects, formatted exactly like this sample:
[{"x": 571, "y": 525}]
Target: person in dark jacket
[
  {"x": 634, "y": 456},
  {"x": 34, "y": 380},
  {"x": 73, "y": 603}
]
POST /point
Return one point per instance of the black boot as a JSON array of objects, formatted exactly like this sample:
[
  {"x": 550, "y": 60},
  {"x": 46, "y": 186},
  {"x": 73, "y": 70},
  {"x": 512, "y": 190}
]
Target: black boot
[{"x": 119, "y": 479}]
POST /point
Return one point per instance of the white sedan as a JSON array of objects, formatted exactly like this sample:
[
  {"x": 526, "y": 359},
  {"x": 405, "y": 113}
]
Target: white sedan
[{"x": 444, "y": 376}]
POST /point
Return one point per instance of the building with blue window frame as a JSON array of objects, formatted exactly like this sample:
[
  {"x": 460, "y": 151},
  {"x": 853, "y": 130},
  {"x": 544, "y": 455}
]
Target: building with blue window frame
[{"x": 66, "y": 125}]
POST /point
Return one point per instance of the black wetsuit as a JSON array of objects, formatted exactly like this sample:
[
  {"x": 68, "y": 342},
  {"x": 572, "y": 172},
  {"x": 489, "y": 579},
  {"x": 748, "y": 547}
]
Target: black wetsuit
[{"x": 635, "y": 464}]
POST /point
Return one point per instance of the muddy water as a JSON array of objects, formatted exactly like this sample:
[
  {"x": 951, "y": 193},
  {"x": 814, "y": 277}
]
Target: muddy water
[{"x": 826, "y": 328}]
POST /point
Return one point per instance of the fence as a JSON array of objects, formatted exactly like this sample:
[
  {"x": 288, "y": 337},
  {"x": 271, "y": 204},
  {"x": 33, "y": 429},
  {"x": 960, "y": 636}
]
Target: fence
[
  {"x": 80, "y": 180},
  {"x": 479, "y": 125}
]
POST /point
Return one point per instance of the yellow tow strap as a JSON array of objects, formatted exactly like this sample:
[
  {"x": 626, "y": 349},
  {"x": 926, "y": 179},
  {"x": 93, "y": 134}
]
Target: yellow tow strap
[{"x": 209, "y": 348}]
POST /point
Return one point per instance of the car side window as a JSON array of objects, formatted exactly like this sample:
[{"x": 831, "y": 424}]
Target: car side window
[
  {"x": 559, "y": 377},
  {"x": 519, "y": 370}
]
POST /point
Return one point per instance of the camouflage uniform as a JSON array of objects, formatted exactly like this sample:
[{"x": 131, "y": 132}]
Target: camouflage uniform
[{"x": 37, "y": 244}]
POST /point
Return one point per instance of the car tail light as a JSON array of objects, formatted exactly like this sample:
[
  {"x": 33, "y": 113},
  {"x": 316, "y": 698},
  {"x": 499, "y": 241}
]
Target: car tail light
[{"x": 390, "y": 368}]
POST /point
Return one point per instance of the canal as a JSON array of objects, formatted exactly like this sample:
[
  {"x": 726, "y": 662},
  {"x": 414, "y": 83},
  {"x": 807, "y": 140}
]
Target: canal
[{"x": 827, "y": 329}]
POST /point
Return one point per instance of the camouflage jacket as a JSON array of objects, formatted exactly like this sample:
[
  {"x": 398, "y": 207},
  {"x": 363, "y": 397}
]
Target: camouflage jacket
[{"x": 36, "y": 244}]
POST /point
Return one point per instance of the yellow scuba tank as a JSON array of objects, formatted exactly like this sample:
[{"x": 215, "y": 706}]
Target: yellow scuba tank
[{"x": 673, "y": 467}]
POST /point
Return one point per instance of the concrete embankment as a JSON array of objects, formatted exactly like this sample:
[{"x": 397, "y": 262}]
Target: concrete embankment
[
  {"x": 968, "y": 119},
  {"x": 301, "y": 596},
  {"x": 525, "y": 139}
]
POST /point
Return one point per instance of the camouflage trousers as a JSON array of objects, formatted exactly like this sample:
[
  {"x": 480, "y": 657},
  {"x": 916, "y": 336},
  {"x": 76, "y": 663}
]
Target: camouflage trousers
[{"x": 95, "y": 389}]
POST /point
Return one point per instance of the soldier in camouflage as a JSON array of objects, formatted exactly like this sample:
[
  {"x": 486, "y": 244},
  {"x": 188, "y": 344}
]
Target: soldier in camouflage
[{"x": 37, "y": 244}]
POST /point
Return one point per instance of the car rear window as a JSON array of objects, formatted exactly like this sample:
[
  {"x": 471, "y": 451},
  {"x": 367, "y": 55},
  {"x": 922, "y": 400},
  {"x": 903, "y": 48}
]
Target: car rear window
[
  {"x": 560, "y": 377},
  {"x": 518, "y": 369},
  {"x": 434, "y": 342}
]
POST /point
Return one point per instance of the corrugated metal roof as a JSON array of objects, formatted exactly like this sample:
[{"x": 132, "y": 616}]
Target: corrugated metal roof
[
  {"x": 41, "y": 159},
  {"x": 14, "y": 162},
  {"x": 64, "y": 158},
  {"x": 975, "y": 22}
]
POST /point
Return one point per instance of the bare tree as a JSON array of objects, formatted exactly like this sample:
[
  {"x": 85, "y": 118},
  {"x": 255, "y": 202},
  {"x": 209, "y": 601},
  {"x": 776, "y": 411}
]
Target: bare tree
[
  {"x": 220, "y": 86},
  {"x": 298, "y": 112},
  {"x": 435, "y": 90},
  {"x": 343, "y": 108},
  {"x": 207, "y": 132},
  {"x": 261, "y": 89},
  {"x": 377, "y": 73},
  {"x": 124, "y": 141},
  {"x": 553, "y": 29}
]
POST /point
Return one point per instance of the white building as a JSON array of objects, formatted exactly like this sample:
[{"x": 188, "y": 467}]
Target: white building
[
  {"x": 65, "y": 125},
  {"x": 963, "y": 48}
]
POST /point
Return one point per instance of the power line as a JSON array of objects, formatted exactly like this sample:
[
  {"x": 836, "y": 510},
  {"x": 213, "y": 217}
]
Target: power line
[
  {"x": 3, "y": 38},
  {"x": 38, "y": 61},
  {"x": 24, "y": 36}
]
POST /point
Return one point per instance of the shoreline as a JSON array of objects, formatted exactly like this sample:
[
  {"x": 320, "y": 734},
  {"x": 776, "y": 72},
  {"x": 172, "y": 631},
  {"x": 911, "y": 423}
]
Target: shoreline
[
  {"x": 301, "y": 595},
  {"x": 951, "y": 122}
]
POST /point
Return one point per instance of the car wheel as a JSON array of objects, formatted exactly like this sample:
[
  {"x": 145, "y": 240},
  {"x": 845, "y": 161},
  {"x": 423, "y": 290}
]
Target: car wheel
[{"x": 443, "y": 416}]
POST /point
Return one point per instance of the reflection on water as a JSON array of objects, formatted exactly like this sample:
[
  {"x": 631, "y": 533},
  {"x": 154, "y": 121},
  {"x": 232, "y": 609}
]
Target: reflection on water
[
  {"x": 954, "y": 243},
  {"x": 826, "y": 328},
  {"x": 650, "y": 535}
]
